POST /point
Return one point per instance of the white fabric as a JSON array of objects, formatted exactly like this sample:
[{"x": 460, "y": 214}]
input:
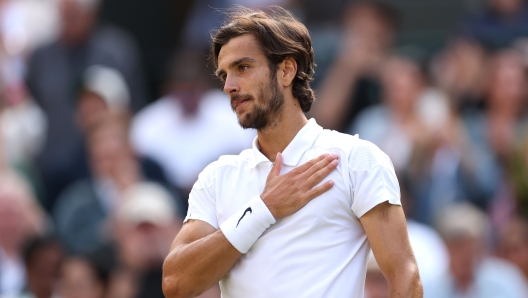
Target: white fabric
[
  {"x": 494, "y": 278},
  {"x": 23, "y": 131},
  {"x": 12, "y": 275},
  {"x": 184, "y": 145},
  {"x": 242, "y": 234},
  {"x": 319, "y": 251}
]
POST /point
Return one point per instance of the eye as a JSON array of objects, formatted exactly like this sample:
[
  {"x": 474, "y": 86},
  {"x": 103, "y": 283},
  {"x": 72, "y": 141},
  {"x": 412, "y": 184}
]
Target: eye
[{"x": 243, "y": 67}]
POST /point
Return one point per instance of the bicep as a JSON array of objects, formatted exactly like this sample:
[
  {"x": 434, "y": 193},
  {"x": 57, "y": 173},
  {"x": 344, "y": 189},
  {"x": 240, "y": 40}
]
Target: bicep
[
  {"x": 191, "y": 231},
  {"x": 386, "y": 229}
]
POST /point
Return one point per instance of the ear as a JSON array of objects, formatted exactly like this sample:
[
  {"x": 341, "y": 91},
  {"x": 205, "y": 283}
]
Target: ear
[{"x": 287, "y": 71}]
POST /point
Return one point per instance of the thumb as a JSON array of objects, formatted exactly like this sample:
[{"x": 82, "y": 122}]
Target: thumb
[{"x": 275, "y": 170}]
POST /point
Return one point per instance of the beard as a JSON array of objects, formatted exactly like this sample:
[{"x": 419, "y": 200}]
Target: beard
[{"x": 267, "y": 111}]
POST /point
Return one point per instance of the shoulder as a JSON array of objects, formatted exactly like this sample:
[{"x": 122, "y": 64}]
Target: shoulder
[
  {"x": 225, "y": 165},
  {"x": 362, "y": 155}
]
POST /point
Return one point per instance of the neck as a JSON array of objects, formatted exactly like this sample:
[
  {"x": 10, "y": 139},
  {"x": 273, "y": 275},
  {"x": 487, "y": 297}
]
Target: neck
[{"x": 277, "y": 135}]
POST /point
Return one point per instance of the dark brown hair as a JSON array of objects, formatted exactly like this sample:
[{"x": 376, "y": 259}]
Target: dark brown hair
[{"x": 280, "y": 36}]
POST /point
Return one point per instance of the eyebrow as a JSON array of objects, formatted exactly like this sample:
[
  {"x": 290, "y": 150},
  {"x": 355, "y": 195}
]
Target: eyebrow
[{"x": 218, "y": 73}]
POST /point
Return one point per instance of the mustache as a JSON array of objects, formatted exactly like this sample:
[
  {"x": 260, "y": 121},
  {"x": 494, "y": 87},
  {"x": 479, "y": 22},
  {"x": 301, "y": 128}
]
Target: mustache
[{"x": 239, "y": 97}]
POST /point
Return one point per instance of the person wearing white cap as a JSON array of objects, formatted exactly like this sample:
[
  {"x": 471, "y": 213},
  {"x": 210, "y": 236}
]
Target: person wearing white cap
[
  {"x": 472, "y": 271},
  {"x": 52, "y": 72},
  {"x": 145, "y": 223},
  {"x": 103, "y": 89}
]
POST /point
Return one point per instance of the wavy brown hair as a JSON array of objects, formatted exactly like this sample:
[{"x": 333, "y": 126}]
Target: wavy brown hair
[{"x": 280, "y": 36}]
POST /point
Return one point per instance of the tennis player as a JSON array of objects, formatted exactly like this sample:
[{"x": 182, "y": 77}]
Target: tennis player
[{"x": 296, "y": 215}]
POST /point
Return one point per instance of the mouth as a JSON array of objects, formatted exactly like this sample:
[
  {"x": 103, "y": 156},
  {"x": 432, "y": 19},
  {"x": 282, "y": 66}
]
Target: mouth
[{"x": 238, "y": 103}]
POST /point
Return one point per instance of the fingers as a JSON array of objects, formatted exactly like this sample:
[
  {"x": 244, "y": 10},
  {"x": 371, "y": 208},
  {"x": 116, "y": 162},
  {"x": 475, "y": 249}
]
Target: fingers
[
  {"x": 324, "y": 168},
  {"x": 303, "y": 168},
  {"x": 321, "y": 164},
  {"x": 275, "y": 170},
  {"x": 317, "y": 191}
]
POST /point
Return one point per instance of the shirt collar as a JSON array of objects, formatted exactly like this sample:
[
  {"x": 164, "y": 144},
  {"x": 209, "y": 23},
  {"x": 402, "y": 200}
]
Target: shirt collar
[{"x": 295, "y": 150}]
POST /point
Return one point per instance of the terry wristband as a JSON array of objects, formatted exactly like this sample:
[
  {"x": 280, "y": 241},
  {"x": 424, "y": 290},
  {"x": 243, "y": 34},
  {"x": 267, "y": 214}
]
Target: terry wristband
[{"x": 244, "y": 227}]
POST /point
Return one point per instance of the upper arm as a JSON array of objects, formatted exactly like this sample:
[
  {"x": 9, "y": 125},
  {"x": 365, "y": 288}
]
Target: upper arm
[
  {"x": 386, "y": 231},
  {"x": 191, "y": 231}
]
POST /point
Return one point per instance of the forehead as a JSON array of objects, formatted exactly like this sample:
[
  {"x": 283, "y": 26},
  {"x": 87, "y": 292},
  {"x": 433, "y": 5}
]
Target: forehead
[{"x": 239, "y": 47}]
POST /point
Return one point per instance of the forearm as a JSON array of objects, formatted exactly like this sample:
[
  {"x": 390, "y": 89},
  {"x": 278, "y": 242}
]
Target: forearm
[
  {"x": 405, "y": 283},
  {"x": 193, "y": 268}
]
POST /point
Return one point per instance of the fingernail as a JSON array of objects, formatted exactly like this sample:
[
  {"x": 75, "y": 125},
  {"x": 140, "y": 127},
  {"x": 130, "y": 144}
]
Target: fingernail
[
  {"x": 335, "y": 156},
  {"x": 334, "y": 162}
]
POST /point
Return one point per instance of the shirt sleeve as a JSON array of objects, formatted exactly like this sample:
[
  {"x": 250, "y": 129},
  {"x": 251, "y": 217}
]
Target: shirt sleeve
[
  {"x": 374, "y": 183},
  {"x": 202, "y": 202}
]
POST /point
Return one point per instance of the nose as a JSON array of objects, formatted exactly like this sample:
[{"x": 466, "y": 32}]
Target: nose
[{"x": 231, "y": 86}]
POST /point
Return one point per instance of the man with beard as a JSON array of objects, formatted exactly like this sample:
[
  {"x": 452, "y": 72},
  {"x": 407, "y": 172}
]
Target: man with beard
[{"x": 296, "y": 215}]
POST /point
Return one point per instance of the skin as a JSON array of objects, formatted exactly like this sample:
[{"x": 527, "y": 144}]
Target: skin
[{"x": 201, "y": 255}]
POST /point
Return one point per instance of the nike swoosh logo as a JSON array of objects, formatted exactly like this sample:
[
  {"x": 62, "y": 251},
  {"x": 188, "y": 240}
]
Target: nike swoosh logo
[{"x": 245, "y": 211}]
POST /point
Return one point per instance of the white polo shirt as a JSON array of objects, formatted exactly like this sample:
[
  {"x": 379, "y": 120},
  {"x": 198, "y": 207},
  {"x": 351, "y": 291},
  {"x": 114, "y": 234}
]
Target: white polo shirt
[{"x": 322, "y": 249}]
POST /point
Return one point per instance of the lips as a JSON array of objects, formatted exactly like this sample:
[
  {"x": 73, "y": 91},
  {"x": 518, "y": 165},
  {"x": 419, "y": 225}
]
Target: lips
[{"x": 238, "y": 102}]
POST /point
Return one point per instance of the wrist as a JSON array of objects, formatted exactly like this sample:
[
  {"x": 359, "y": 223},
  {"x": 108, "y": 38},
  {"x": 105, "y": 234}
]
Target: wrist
[{"x": 246, "y": 225}]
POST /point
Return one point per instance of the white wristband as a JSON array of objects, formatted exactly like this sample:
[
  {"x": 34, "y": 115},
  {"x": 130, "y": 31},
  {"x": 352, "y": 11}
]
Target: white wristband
[{"x": 244, "y": 227}]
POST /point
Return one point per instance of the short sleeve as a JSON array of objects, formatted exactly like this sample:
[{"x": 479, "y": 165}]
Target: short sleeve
[
  {"x": 202, "y": 202},
  {"x": 374, "y": 184}
]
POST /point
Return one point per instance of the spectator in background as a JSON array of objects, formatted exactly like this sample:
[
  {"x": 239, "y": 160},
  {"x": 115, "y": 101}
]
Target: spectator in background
[
  {"x": 506, "y": 96},
  {"x": 518, "y": 171},
  {"x": 352, "y": 82},
  {"x": 144, "y": 226},
  {"x": 20, "y": 218},
  {"x": 42, "y": 258},
  {"x": 102, "y": 90},
  {"x": 395, "y": 126},
  {"x": 473, "y": 273},
  {"x": 52, "y": 71},
  {"x": 459, "y": 70},
  {"x": 503, "y": 22},
  {"x": 189, "y": 127},
  {"x": 496, "y": 131},
  {"x": 82, "y": 277},
  {"x": 418, "y": 127},
  {"x": 22, "y": 129},
  {"x": 82, "y": 209},
  {"x": 513, "y": 244}
]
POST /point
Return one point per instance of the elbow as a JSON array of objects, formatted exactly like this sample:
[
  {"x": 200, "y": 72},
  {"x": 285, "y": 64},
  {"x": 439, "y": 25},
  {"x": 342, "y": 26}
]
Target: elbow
[
  {"x": 169, "y": 287},
  {"x": 405, "y": 279},
  {"x": 172, "y": 284},
  {"x": 172, "y": 288}
]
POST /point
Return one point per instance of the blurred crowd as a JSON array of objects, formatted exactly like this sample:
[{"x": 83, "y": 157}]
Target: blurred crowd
[{"x": 96, "y": 160}]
